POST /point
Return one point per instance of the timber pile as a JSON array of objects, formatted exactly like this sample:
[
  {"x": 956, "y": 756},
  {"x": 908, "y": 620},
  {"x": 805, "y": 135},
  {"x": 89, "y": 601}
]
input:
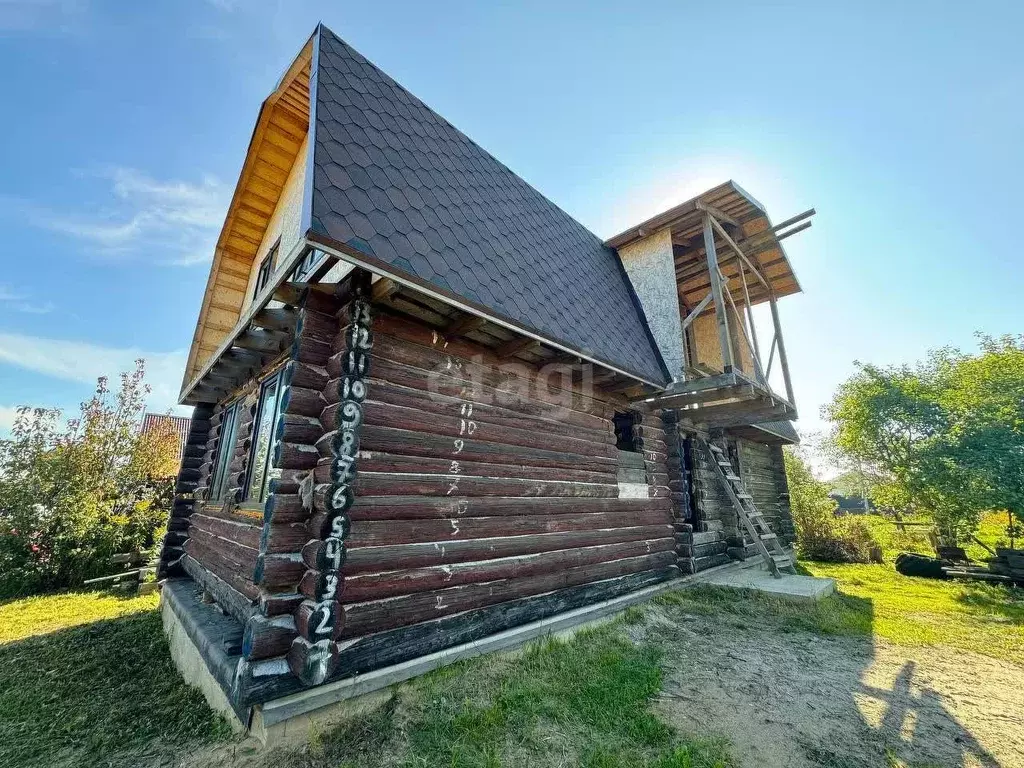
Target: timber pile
[
  {"x": 1008, "y": 562},
  {"x": 700, "y": 541},
  {"x": 482, "y": 500}
]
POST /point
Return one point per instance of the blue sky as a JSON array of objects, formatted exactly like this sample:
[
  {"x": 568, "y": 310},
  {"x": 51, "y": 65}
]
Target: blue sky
[{"x": 126, "y": 125}]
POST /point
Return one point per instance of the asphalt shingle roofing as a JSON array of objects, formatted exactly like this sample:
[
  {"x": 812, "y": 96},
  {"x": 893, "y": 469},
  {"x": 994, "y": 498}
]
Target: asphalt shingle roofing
[{"x": 395, "y": 181}]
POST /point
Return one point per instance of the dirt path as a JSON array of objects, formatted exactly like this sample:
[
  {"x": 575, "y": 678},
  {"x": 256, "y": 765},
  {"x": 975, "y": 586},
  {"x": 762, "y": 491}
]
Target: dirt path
[{"x": 797, "y": 699}]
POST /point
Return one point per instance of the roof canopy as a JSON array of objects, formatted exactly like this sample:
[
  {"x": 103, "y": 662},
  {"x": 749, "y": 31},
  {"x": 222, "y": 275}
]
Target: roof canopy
[{"x": 745, "y": 222}]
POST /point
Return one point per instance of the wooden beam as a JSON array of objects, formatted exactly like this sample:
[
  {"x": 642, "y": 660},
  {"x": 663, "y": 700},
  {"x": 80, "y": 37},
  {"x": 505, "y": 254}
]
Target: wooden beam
[
  {"x": 739, "y": 252},
  {"x": 696, "y": 311},
  {"x": 783, "y": 360},
  {"x": 717, "y": 213},
  {"x": 463, "y": 324},
  {"x": 716, "y": 290},
  {"x": 270, "y": 342},
  {"x": 513, "y": 347},
  {"x": 276, "y": 319},
  {"x": 384, "y": 289}
]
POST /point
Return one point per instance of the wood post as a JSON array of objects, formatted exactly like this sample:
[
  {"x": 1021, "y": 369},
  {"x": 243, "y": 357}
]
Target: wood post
[
  {"x": 783, "y": 360},
  {"x": 725, "y": 342}
]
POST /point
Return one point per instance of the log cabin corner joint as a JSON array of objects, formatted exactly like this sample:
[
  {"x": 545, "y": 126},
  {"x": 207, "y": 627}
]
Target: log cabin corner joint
[{"x": 539, "y": 419}]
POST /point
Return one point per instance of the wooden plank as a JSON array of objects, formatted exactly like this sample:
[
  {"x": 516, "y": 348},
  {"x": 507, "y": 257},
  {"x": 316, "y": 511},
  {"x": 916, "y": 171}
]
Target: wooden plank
[
  {"x": 397, "y": 417},
  {"x": 371, "y": 461},
  {"x": 408, "y": 442},
  {"x": 431, "y": 507},
  {"x": 255, "y": 684}
]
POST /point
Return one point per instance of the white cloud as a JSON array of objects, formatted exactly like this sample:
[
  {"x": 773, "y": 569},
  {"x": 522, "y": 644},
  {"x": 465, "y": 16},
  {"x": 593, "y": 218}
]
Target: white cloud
[
  {"x": 18, "y": 302},
  {"x": 83, "y": 362},
  {"x": 177, "y": 222},
  {"x": 8, "y": 414}
]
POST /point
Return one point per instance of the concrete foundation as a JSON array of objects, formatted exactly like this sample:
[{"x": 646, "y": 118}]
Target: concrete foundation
[
  {"x": 756, "y": 577},
  {"x": 190, "y": 663},
  {"x": 290, "y": 718}
]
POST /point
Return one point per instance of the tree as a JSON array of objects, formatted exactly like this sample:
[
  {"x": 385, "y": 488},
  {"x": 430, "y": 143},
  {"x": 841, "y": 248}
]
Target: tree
[
  {"x": 944, "y": 437},
  {"x": 820, "y": 535},
  {"x": 73, "y": 495}
]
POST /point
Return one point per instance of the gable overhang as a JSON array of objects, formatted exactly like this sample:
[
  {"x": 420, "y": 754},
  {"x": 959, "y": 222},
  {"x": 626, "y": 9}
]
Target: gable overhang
[
  {"x": 282, "y": 126},
  {"x": 747, "y": 222}
]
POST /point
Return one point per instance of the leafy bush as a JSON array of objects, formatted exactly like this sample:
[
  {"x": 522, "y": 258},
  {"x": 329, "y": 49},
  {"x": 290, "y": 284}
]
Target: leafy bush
[
  {"x": 820, "y": 534},
  {"x": 72, "y": 496}
]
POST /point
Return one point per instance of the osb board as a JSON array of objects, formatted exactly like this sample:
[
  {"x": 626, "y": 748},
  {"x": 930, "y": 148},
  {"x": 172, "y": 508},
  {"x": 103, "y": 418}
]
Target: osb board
[{"x": 708, "y": 349}]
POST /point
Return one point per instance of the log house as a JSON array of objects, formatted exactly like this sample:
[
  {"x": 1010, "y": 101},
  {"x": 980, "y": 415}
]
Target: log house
[{"x": 430, "y": 406}]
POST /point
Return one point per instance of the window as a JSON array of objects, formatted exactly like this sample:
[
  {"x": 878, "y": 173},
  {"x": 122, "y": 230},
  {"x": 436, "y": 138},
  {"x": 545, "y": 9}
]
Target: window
[
  {"x": 260, "y": 471},
  {"x": 625, "y": 431},
  {"x": 266, "y": 269},
  {"x": 225, "y": 452},
  {"x": 305, "y": 268}
]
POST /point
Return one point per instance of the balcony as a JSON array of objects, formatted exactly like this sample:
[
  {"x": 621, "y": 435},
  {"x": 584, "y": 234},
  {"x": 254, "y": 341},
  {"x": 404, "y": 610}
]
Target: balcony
[{"x": 728, "y": 259}]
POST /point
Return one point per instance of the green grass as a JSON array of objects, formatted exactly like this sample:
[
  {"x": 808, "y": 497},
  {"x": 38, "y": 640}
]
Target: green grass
[
  {"x": 973, "y": 616},
  {"x": 875, "y": 600},
  {"x": 991, "y": 531},
  {"x": 86, "y": 679},
  {"x": 580, "y": 702}
]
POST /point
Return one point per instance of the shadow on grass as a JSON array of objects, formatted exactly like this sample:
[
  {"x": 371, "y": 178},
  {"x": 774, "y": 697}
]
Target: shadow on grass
[
  {"x": 86, "y": 694},
  {"x": 908, "y": 715}
]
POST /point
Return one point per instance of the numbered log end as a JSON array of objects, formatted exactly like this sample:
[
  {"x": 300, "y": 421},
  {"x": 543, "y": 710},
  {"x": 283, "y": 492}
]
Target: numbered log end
[
  {"x": 313, "y": 663},
  {"x": 319, "y": 621},
  {"x": 322, "y": 585}
]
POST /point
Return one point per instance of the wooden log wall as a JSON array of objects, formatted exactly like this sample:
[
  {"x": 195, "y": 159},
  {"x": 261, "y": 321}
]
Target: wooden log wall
[
  {"x": 476, "y": 486},
  {"x": 763, "y": 471},
  {"x": 188, "y": 480},
  {"x": 697, "y": 499}
]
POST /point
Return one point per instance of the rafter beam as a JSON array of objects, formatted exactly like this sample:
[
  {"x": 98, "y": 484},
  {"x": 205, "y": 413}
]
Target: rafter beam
[
  {"x": 514, "y": 347},
  {"x": 462, "y": 325}
]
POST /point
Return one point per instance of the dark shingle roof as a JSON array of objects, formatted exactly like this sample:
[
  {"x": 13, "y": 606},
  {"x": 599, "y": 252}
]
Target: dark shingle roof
[{"x": 395, "y": 181}]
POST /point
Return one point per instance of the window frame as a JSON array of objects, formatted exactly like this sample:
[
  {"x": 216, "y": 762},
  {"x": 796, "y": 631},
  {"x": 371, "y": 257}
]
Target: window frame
[
  {"x": 266, "y": 269},
  {"x": 309, "y": 264},
  {"x": 225, "y": 450},
  {"x": 275, "y": 379}
]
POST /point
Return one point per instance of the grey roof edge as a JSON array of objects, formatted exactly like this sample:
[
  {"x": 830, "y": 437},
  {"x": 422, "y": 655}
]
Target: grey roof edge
[{"x": 358, "y": 257}]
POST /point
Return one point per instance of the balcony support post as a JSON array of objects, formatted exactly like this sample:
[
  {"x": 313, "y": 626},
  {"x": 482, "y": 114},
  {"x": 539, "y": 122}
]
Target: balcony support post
[
  {"x": 721, "y": 312},
  {"x": 783, "y": 360}
]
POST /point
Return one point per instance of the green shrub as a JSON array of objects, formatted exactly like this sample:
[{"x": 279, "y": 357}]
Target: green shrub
[
  {"x": 820, "y": 535},
  {"x": 73, "y": 495}
]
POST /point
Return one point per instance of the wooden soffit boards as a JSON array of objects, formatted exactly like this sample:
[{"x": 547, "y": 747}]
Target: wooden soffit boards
[{"x": 281, "y": 128}]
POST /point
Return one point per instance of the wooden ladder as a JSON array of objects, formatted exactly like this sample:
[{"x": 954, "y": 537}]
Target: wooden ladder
[{"x": 753, "y": 521}]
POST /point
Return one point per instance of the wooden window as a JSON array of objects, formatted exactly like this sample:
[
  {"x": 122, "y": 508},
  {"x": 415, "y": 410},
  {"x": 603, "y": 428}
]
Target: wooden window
[
  {"x": 225, "y": 451},
  {"x": 266, "y": 269},
  {"x": 305, "y": 268},
  {"x": 260, "y": 470}
]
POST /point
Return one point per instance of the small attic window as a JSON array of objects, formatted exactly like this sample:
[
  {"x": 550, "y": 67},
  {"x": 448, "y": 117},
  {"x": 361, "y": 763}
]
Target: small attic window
[
  {"x": 266, "y": 268},
  {"x": 626, "y": 437}
]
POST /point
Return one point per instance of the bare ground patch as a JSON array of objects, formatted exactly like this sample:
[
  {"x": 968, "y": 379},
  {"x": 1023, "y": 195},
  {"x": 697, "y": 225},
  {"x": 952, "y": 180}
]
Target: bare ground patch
[{"x": 795, "y": 698}]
